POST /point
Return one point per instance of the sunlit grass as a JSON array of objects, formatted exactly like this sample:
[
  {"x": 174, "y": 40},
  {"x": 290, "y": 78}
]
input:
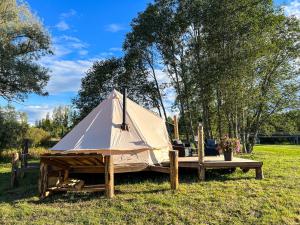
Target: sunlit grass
[{"x": 146, "y": 198}]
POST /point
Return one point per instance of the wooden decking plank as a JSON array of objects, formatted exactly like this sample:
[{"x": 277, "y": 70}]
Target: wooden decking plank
[{"x": 161, "y": 169}]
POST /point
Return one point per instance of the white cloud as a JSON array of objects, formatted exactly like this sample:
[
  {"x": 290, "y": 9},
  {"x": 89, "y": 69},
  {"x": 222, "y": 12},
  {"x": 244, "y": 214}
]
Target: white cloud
[
  {"x": 293, "y": 9},
  {"x": 68, "y": 14},
  {"x": 64, "y": 45},
  {"x": 66, "y": 74},
  {"x": 161, "y": 76},
  {"x": 68, "y": 38},
  {"x": 83, "y": 52},
  {"x": 62, "y": 26},
  {"x": 37, "y": 112},
  {"x": 114, "y": 27}
]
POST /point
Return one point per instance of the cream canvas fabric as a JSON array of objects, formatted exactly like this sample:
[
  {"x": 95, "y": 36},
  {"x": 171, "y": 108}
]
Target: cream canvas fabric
[{"x": 146, "y": 140}]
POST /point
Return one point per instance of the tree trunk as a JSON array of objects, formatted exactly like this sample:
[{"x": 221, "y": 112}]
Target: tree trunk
[
  {"x": 157, "y": 88},
  {"x": 219, "y": 122},
  {"x": 181, "y": 101}
]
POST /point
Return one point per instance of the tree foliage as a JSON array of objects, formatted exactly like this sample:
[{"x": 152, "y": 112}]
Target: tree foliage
[
  {"x": 13, "y": 127},
  {"x": 233, "y": 64},
  {"x": 23, "y": 41},
  {"x": 37, "y": 136},
  {"x": 59, "y": 123},
  {"x": 114, "y": 73}
]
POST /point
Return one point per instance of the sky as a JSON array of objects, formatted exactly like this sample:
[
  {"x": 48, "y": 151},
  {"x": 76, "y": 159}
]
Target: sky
[{"x": 82, "y": 32}]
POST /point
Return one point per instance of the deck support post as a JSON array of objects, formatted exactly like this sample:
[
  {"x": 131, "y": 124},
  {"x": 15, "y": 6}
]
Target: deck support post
[
  {"x": 173, "y": 169},
  {"x": 109, "y": 176},
  {"x": 14, "y": 170},
  {"x": 176, "y": 130},
  {"x": 201, "y": 172},
  {"x": 43, "y": 180},
  {"x": 259, "y": 173},
  {"x": 201, "y": 168},
  {"x": 200, "y": 144}
]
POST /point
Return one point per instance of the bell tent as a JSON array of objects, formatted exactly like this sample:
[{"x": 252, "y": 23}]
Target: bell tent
[{"x": 144, "y": 139}]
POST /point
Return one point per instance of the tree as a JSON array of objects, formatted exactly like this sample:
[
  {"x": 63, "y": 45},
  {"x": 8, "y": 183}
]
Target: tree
[
  {"x": 23, "y": 41},
  {"x": 161, "y": 28},
  {"x": 109, "y": 74},
  {"x": 59, "y": 123},
  {"x": 233, "y": 64},
  {"x": 37, "y": 136},
  {"x": 13, "y": 127},
  {"x": 61, "y": 120}
]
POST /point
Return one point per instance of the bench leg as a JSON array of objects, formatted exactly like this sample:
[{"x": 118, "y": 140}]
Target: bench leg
[
  {"x": 201, "y": 173},
  {"x": 259, "y": 173}
]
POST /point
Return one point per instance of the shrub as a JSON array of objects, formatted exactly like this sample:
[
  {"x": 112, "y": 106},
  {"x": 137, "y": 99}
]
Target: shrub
[
  {"x": 34, "y": 153},
  {"x": 37, "y": 136}
]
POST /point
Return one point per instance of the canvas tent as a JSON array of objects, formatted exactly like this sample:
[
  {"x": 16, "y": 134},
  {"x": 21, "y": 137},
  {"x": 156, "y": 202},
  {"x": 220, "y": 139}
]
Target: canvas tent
[{"x": 146, "y": 140}]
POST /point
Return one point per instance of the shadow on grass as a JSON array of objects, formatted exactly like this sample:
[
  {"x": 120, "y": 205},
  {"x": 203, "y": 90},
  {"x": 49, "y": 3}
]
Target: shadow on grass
[{"x": 27, "y": 187}]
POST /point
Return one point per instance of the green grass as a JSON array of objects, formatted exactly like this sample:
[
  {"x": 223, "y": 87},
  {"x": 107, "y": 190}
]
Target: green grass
[{"x": 145, "y": 198}]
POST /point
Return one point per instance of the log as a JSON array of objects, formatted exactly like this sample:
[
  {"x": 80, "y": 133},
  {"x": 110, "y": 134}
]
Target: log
[
  {"x": 176, "y": 131},
  {"x": 14, "y": 170},
  {"x": 109, "y": 176},
  {"x": 173, "y": 169}
]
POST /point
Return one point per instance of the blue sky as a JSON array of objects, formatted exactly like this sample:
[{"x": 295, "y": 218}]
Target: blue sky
[{"x": 82, "y": 32}]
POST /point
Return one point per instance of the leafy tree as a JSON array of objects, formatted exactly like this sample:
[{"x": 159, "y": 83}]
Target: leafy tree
[
  {"x": 23, "y": 41},
  {"x": 112, "y": 73},
  {"x": 232, "y": 64},
  {"x": 37, "y": 136},
  {"x": 58, "y": 124},
  {"x": 61, "y": 120},
  {"x": 13, "y": 127}
]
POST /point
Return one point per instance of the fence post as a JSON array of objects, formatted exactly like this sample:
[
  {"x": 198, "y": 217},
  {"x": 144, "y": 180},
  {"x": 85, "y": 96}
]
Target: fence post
[
  {"x": 14, "y": 170},
  {"x": 109, "y": 176},
  {"x": 43, "y": 180},
  {"x": 25, "y": 153},
  {"x": 201, "y": 168},
  {"x": 173, "y": 169}
]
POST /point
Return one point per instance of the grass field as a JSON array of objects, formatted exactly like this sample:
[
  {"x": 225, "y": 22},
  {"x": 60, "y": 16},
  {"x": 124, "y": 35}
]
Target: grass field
[{"x": 145, "y": 198}]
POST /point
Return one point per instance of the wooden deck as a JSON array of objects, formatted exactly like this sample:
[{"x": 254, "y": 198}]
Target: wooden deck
[
  {"x": 56, "y": 167},
  {"x": 217, "y": 162}
]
